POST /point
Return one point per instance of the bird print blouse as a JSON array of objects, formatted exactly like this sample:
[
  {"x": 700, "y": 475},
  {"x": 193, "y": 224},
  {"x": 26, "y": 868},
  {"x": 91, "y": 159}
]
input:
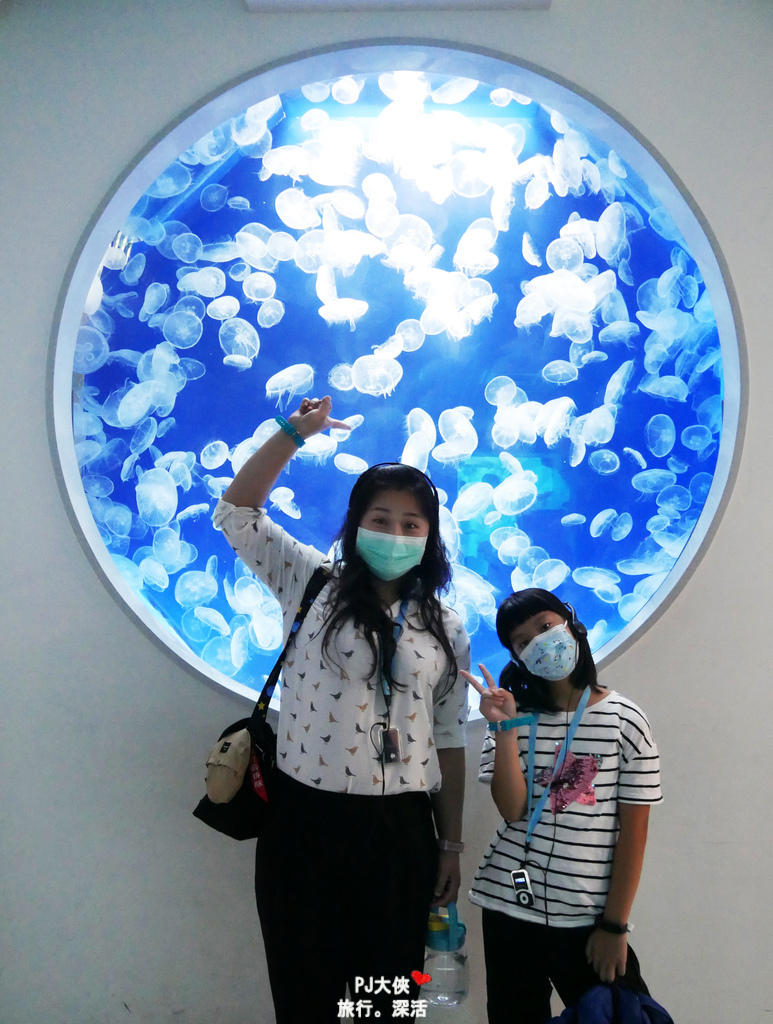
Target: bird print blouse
[{"x": 332, "y": 708}]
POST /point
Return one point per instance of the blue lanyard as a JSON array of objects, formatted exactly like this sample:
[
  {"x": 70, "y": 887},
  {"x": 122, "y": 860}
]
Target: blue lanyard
[
  {"x": 398, "y": 628},
  {"x": 534, "y": 814}
]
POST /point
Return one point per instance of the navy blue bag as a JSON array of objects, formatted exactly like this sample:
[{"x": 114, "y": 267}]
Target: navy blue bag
[{"x": 614, "y": 1004}]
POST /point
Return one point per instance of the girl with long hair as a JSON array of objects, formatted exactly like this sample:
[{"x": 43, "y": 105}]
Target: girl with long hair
[
  {"x": 370, "y": 745},
  {"x": 573, "y": 778}
]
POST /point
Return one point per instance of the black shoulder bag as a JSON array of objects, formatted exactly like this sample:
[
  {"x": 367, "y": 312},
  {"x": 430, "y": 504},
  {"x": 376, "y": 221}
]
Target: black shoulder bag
[{"x": 244, "y": 816}]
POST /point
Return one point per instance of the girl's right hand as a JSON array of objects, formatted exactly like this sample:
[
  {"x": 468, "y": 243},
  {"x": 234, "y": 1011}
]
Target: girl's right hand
[
  {"x": 313, "y": 416},
  {"x": 496, "y": 704}
]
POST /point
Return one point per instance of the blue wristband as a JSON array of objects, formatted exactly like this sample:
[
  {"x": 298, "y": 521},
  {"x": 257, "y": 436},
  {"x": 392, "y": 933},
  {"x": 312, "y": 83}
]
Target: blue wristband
[
  {"x": 290, "y": 430},
  {"x": 510, "y": 723}
]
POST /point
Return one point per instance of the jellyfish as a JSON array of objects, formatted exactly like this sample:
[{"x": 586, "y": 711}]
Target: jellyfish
[
  {"x": 455, "y": 90},
  {"x": 214, "y": 454},
  {"x": 154, "y": 574},
  {"x": 619, "y": 332},
  {"x": 296, "y": 210},
  {"x": 674, "y": 499},
  {"x": 192, "y": 512},
  {"x": 564, "y": 254},
  {"x": 652, "y": 481},
  {"x": 137, "y": 403},
  {"x": 340, "y": 377},
  {"x": 281, "y": 246},
  {"x": 239, "y": 339},
  {"x": 270, "y": 313},
  {"x": 317, "y": 449},
  {"x": 91, "y": 350},
  {"x": 500, "y": 391},
  {"x": 622, "y": 526},
  {"x": 529, "y": 251},
  {"x": 350, "y": 464},
  {"x": 134, "y": 269},
  {"x": 700, "y": 485},
  {"x": 510, "y": 548},
  {"x": 174, "y": 180},
  {"x": 340, "y": 311},
  {"x": 282, "y": 498},
  {"x": 473, "y": 500},
  {"x": 144, "y": 435},
  {"x": 665, "y": 387},
  {"x": 223, "y": 308},
  {"x": 259, "y": 286},
  {"x": 636, "y": 457},
  {"x": 209, "y": 281},
  {"x": 195, "y": 588},
  {"x": 183, "y": 329},
  {"x": 696, "y": 437},
  {"x": 347, "y": 89},
  {"x": 156, "y": 497},
  {"x": 599, "y": 425},
  {"x": 602, "y": 522},
  {"x": 187, "y": 247},
  {"x": 661, "y": 434},
  {"x": 293, "y": 380},
  {"x": 618, "y": 383},
  {"x": 591, "y": 576},
  {"x": 573, "y": 519},
  {"x": 416, "y": 451},
  {"x": 213, "y": 197},
  {"x": 375, "y": 375},
  {"x": 629, "y": 606},
  {"x": 550, "y": 574},
  {"x": 514, "y": 495},
  {"x": 604, "y": 461},
  {"x": 252, "y": 243}
]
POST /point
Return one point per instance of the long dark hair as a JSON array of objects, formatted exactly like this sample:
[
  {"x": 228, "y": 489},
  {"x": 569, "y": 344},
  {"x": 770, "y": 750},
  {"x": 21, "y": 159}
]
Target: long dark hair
[
  {"x": 354, "y": 596},
  {"x": 532, "y": 693}
]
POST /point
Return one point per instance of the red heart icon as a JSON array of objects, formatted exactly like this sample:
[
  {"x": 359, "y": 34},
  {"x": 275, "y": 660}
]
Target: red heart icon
[{"x": 419, "y": 978}]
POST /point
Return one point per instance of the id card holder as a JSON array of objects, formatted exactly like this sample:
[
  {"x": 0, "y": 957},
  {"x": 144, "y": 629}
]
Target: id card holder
[{"x": 391, "y": 751}]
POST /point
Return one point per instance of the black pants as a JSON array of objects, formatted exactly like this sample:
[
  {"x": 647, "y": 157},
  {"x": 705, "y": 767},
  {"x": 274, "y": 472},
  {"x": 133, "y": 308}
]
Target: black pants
[
  {"x": 524, "y": 961},
  {"x": 343, "y": 886}
]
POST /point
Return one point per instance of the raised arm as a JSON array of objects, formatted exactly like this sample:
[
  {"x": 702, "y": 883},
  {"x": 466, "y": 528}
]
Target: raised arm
[
  {"x": 508, "y": 786},
  {"x": 255, "y": 480}
]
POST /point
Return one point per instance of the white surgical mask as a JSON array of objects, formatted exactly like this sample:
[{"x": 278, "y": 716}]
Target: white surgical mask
[{"x": 551, "y": 655}]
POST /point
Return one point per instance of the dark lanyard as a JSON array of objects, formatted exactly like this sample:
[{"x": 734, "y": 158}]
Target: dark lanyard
[
  {"x": 534, "y": 814},
  {"x": 398, "y": 628}
]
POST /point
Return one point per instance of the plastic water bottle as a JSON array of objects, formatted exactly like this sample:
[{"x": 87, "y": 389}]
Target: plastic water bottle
[{"x": 445, "y": 959}]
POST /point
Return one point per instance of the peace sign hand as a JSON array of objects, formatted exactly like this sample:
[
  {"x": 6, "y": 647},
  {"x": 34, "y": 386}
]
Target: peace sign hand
[{"x": 496, "y": 704}]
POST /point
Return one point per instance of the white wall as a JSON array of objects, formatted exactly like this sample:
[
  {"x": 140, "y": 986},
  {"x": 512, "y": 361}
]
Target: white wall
[{"x": 117, "y": 905}]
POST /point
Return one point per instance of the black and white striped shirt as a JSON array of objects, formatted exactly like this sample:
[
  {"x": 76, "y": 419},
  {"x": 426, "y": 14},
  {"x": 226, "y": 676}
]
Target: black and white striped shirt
[{"x": 570, "y": 855}]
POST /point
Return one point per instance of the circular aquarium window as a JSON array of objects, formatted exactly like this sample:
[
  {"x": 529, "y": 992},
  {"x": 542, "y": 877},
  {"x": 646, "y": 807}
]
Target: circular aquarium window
[{"x": 494, "y": 280}]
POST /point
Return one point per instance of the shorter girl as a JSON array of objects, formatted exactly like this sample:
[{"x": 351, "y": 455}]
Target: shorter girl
[{"x": 574, "y": 780}]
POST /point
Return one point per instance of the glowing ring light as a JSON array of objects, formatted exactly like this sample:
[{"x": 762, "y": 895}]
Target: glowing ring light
[{"x": 493, "y": 278}]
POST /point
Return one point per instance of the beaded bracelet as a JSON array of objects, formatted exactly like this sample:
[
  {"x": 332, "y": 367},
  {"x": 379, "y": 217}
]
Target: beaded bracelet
[{"x": 290, "y": 430}]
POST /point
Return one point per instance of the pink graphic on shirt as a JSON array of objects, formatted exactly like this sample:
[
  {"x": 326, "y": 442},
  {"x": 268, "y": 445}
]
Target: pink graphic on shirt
[{"x": 574, "y": 782}]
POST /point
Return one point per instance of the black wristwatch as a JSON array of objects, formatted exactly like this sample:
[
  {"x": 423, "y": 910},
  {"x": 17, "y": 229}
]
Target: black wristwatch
[{"x": 611, "y": 927}]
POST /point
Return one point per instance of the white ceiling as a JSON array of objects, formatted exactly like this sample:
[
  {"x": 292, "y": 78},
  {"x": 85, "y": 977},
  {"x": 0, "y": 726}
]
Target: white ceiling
[{"x": 394, "y": 5}]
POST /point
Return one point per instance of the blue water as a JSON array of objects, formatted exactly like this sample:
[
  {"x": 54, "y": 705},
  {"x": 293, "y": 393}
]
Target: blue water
[{"x": 614, "y": 328}]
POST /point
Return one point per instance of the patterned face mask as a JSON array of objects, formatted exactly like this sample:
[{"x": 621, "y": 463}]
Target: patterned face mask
[{"x": 551, "y": 655}]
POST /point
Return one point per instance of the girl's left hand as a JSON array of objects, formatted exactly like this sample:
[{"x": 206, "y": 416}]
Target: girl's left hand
[
  {"x": 449, "y": 878},
  {"x": 607, "y": 954}
]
